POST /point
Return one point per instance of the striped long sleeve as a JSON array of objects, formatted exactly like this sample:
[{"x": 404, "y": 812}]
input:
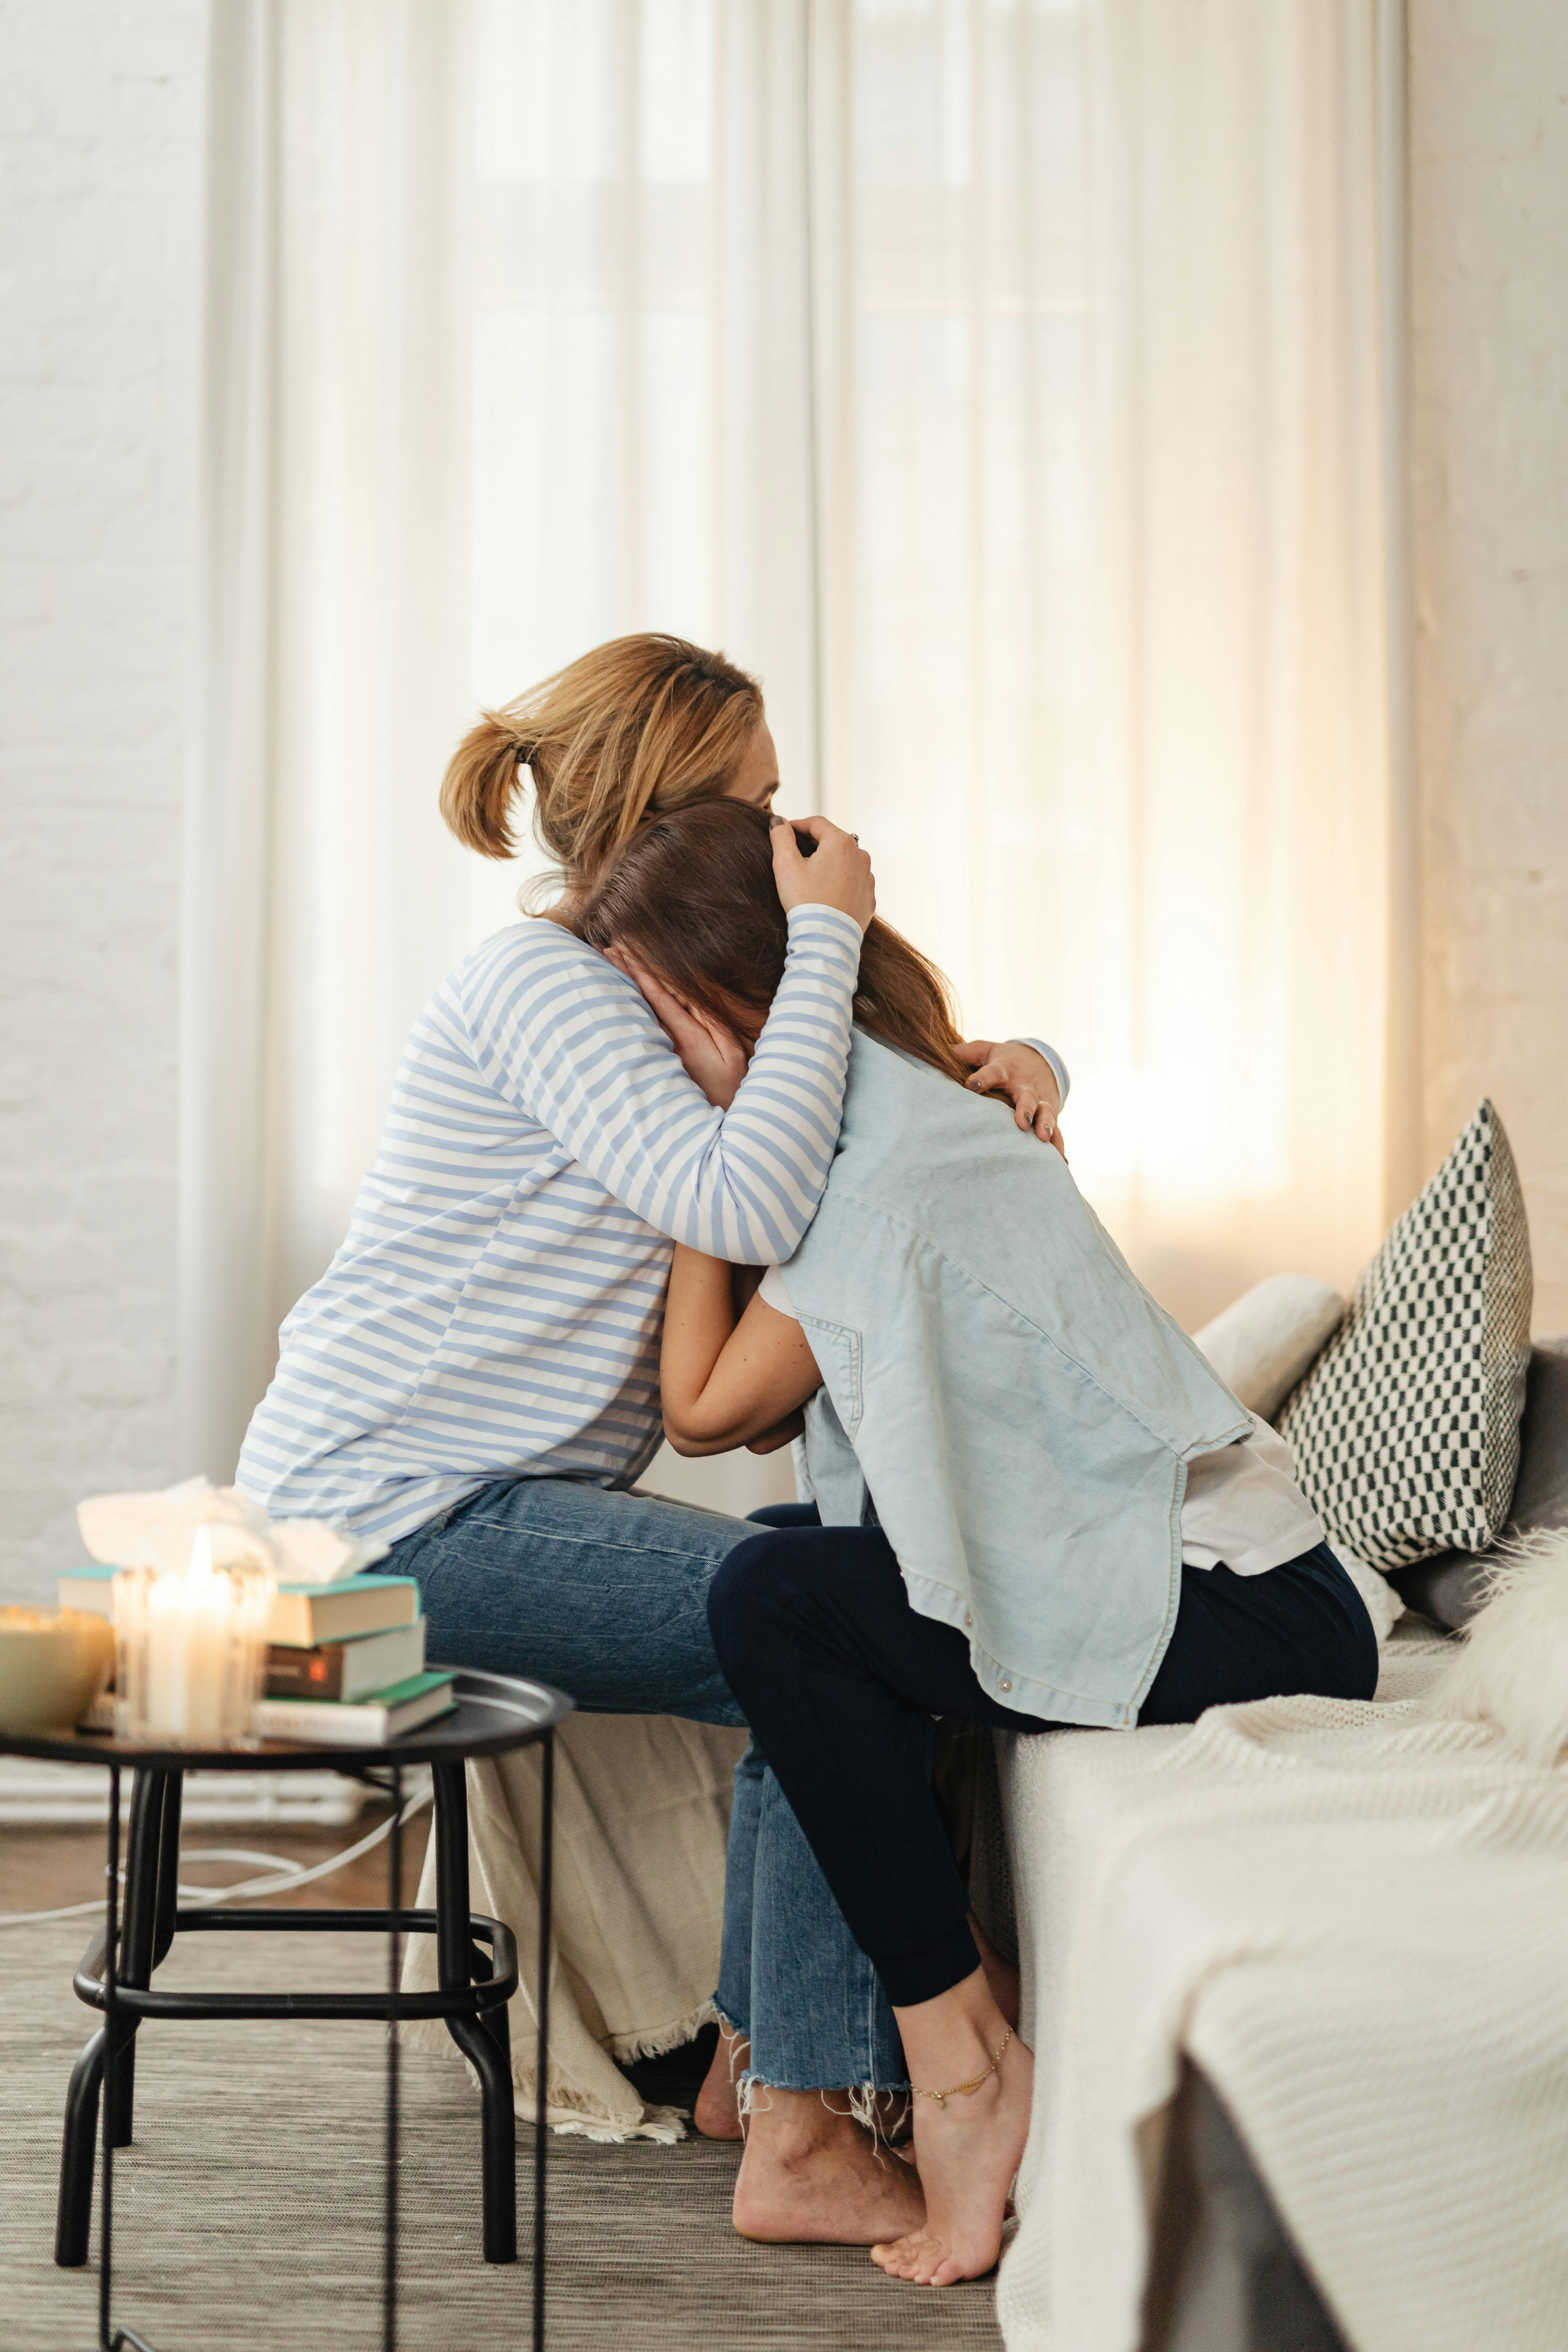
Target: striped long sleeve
[
  {"x": 578, "y": 1050},
  {"x": 495, "y": 1308}
]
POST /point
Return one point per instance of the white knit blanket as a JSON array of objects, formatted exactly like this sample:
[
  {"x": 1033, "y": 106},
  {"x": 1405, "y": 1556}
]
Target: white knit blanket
[{"x": 1354, "y": 1917}]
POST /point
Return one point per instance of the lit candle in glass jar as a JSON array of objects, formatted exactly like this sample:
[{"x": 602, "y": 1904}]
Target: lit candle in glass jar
[
  {"x": 189, "y": 1627},
  {"x": 190, "y": 1647}
]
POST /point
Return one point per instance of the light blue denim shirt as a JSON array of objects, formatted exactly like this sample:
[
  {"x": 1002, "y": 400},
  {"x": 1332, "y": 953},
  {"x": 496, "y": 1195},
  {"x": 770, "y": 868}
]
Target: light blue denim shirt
[{"x": 999, "y": 1381}]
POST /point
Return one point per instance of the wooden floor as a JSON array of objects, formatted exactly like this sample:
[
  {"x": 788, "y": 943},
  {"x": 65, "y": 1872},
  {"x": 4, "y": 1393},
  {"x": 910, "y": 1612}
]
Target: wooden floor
[
  {"x": 247, "y": 2206},
  {"x": 41, "y": 1869}
]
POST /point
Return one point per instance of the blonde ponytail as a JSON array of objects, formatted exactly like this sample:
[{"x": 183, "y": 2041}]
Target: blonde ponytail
[
  {"x": 636, "y": 727},
  {"x": 477, "y": 790}
]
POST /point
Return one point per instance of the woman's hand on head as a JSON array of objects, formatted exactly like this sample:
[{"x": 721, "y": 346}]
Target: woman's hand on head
[
  {"x": 712, "y": 1055},
  {"x": 837, "y": 875},
  {"x": 1022, "y": 1078}
]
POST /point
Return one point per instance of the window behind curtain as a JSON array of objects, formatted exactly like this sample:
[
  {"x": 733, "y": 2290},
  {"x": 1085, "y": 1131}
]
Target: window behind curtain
[{"x": 1000, "y": 380}]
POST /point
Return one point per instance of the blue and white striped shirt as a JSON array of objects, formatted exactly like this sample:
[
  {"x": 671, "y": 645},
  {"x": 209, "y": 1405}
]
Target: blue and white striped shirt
[{"x": 495, "y": 1310}]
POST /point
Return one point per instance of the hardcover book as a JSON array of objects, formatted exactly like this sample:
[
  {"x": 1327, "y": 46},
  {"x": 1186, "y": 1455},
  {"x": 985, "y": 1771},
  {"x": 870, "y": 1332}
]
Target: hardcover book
[
  {"x": 303, "y": 1614},
  {"x": 329, "y": 1723},
  {"x": 353, "y": 1669}
]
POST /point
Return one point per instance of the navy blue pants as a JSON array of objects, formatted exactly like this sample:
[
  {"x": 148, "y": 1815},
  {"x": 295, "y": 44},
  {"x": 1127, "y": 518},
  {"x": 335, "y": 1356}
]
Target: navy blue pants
[{"x": 839, "y": 1677}]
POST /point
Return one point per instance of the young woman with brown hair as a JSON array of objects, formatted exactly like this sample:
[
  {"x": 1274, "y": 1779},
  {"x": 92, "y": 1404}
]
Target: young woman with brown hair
[
  {"x": 475, "y": 1378},
  {"x": 1040, "y": 1504}
]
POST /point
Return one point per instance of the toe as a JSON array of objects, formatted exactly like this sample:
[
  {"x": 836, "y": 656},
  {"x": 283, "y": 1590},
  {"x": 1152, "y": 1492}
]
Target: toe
[{"x": 914, "y": 2258}]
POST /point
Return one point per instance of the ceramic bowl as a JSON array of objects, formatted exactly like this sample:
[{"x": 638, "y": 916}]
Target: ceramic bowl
[{"x": 53, "y": 1664}]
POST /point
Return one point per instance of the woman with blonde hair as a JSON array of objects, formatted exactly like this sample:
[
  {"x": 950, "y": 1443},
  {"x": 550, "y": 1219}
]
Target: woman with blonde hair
[{"x": 475, "y": 1378}]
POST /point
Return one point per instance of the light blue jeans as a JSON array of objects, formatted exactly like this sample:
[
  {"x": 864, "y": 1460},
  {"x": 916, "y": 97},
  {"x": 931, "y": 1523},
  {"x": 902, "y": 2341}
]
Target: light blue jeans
[{"x": 606, "y": 1595}]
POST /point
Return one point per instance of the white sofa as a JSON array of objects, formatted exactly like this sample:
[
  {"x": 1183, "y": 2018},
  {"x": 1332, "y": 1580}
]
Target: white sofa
[{"x": 1293, "y": 1976}]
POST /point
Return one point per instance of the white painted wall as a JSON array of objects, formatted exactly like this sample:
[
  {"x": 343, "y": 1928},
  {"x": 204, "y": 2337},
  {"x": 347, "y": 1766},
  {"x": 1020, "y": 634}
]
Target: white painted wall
[
  {"x": 101, "y": 132},
  {"x": 1488, "y": 108},
  {"x": 100, "y": 125}
]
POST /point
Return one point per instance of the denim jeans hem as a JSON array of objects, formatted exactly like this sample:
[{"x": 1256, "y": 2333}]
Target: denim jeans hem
[
  {"x": 856, "y": 2093},
  {"x": 780, "y": 2082},
  {"x": 749, "y": 2079}
]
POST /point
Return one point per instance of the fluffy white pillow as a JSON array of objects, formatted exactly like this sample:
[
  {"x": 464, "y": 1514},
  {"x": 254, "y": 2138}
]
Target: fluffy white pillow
[
  {"x": 1513, "y": 1669},
  {"x": 1269, "y": 1336}
]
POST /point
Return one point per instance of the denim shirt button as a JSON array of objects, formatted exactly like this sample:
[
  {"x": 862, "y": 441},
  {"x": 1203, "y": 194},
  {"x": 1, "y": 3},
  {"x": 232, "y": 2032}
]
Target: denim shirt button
[
  {"x": 1006, "y": 1684},
  {"x": 968, "y": 1619}
]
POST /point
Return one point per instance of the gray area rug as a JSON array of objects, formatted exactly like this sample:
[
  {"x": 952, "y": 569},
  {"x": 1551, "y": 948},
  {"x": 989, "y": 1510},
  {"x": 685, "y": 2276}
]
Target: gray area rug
[{"x": 247, "y": 2212}]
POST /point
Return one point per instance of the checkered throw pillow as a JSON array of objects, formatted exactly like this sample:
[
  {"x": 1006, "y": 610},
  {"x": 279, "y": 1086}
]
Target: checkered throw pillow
[{"x": 1406, "y": 1429}]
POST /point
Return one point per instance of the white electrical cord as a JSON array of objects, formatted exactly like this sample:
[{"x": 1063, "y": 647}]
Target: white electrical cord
[{"x": 287, "y": 1873}]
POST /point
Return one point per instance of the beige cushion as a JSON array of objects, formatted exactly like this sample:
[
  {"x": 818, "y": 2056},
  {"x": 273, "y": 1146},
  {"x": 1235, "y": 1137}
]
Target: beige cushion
[{"x": 1268, "y": 1339}]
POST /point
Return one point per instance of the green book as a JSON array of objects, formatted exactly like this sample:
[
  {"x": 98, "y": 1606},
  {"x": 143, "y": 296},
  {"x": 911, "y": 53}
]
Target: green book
[
  {"x": 361, "y": 1723},
  {"x": 303, "y": 1614}
]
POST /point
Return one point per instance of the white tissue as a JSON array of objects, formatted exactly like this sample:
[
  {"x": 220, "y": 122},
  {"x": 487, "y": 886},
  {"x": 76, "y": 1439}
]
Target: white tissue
[{"x": 157, "y": 1529}]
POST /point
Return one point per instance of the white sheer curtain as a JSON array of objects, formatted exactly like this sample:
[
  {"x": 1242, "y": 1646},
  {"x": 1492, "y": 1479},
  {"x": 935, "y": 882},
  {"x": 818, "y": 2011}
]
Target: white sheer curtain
[{"x": 1003, "y": 380}]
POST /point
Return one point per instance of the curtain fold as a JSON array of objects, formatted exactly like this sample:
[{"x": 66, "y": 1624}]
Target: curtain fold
[
  {"x": 228, "y": 1186},
  {"x": 1005, "y": 380}
]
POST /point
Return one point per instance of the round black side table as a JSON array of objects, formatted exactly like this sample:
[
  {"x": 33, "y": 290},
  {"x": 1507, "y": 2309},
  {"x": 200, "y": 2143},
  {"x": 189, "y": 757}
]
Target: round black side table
[{"x": 476, "y": 1963}]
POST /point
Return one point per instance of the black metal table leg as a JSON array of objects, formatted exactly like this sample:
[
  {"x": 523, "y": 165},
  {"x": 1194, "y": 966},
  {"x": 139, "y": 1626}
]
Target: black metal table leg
[
  {"x": 394, "y": 1985},
  {"x": 486, "y": 2046},
  {"x": 168, "y": 1894},
  {"x": 143, "y": 1855},
  {"x": 73, "y": 2215},
  {"x": 541, "y": 2036},
  {"x": 482, "y": 1968},
  {"x": 110, "y": 1971},
  {"x": 111, "y": 2338},
  {"x": 151, "y": 1891}
]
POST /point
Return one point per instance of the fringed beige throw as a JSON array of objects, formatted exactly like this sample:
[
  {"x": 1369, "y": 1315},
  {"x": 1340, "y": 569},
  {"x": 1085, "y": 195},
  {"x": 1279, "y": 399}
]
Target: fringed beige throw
[{"x": 642, "y": 1811}]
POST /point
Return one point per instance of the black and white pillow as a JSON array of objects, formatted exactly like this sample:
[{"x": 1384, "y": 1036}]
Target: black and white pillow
[{"x": 1406, "y": 1429}]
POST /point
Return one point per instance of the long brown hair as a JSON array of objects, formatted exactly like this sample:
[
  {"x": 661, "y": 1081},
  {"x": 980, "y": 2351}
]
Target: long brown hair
[
  {"x": 693, "y": 895},
  {"x": 642, "y": 724}
]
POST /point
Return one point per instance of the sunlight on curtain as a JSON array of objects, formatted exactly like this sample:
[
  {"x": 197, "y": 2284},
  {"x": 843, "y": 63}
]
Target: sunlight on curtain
[
  {"x": 1104, "y": 570},
  {"x": 997, "y": 378},
  {"x": 641, "y": 353},
  {"x": 1085, "y": 492}
]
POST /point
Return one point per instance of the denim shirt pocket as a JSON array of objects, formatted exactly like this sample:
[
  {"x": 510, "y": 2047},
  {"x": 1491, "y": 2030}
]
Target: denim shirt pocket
[{"x": 837, "y": 1351}]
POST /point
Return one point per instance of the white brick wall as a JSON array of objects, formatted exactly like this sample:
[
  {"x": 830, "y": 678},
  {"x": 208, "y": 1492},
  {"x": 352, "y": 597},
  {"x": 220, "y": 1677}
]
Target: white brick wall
[
  {"x": 100, "y": 125},
  {"x": 1489, "y": 93}
]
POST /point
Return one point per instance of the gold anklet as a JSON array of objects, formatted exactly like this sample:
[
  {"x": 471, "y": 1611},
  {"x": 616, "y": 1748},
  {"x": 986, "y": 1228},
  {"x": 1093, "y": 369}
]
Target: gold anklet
[{"x": 963, "y": 2090}]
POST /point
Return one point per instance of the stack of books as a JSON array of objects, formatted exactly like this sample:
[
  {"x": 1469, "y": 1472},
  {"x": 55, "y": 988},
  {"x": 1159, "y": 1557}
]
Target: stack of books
[{"x": 346, "y": 1661}]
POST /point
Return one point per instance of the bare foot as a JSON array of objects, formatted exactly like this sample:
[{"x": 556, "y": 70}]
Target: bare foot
[
  {"x": 1000, "y": 1976},
  {"x": 969, "y": 2148},
  {"x": 811, "y": 2176},
  {"x": 717, "y": 2114}
]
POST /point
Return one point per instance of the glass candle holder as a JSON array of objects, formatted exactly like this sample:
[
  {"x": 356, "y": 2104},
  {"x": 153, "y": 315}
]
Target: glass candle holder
[{"x": 190, "y": 1650}]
